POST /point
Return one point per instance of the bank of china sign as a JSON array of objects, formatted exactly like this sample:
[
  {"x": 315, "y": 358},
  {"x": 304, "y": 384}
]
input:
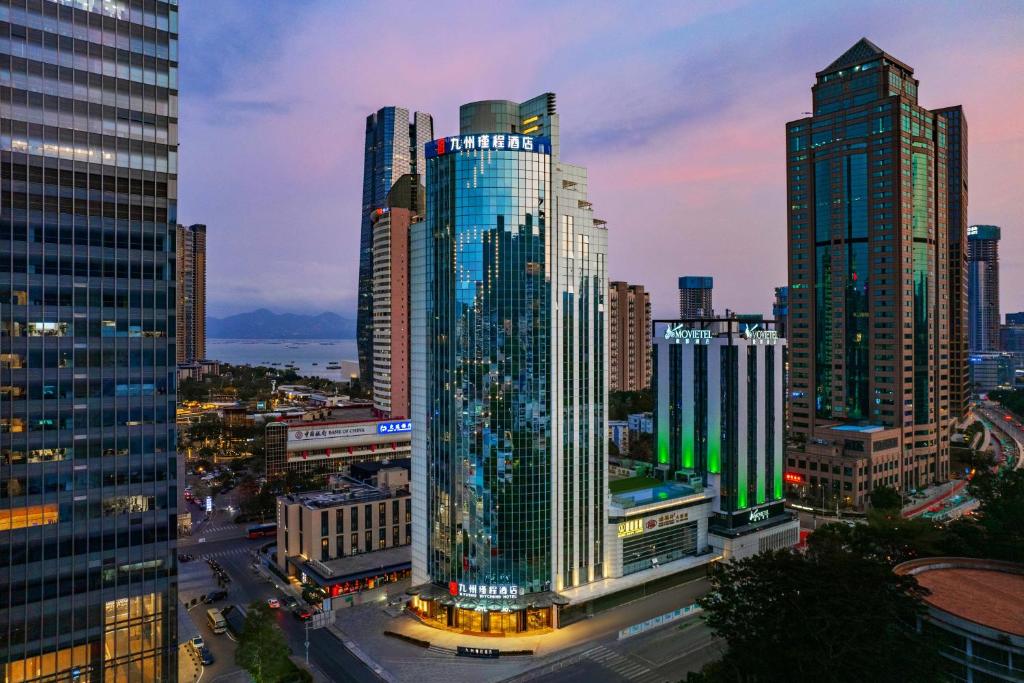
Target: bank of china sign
[
  {"x": 680, "y": 334},
  {"x": 498, "y": 142},
  {"x": 756, "y": 335},
  {"x": 307, "y": 434}
]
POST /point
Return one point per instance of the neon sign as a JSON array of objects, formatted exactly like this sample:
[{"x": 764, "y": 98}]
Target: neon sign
[
  {"x": 499, "y": 142},
  {"x": 394, "y": 427},
  {"x": 681, "y": 334},
  {"x": 754, "y": 334}
]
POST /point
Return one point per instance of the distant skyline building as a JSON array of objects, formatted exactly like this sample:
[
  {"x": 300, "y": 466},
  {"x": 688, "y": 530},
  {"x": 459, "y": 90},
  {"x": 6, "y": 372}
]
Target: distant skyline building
[
  {"x": 391, "y": 296},
  {"x": 393, "y": 147},
  {"x": 983, "y": 287},
  {"x": 719, "y": 421},
  {"x": 190, "y": 246},
  {"x": 1015, "y": 318},
  {"x": 88, "y": 471},
  {"x": 509, "y": 376},
  {"x": 869, "y": 197},
  {"x": 780, "y": 310},
  {"x": 629, "y": 337},
  {"x": 695, "y": 297}
]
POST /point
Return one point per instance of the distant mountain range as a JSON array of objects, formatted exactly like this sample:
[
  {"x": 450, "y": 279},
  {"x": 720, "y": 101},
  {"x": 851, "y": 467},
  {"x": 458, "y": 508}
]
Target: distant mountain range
[{"x": 264, "y": 324}]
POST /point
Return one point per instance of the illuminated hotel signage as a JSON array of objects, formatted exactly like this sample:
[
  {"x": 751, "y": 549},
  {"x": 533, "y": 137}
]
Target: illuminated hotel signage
[
  {"x": 631, "y": 527},
  {"x": 394, "y": 427},
  {"x": 758, "y": 515},
  {"x": 680, "y": 334},
  {"x": 473, "y": 590},
  {"x": 499, "y": 142},
  {"x": 755, "y": 334}
]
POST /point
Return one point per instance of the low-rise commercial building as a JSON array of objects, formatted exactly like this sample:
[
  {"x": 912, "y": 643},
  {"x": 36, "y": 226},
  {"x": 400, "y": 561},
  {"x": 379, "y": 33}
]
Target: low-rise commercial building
[
  {"x": 330, "y": 439},
  {"x": 975, "y": 613},
  {"x": 321, "y": 535},
  {"x": 844, "y": 463}
]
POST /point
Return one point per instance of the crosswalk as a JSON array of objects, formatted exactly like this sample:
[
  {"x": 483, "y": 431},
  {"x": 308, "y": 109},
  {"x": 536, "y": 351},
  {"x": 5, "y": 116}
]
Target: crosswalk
[
  {"x": 623, "y": 666},
  {"x": 215, "y": 529},
  {"x": 224, "y": 553}
]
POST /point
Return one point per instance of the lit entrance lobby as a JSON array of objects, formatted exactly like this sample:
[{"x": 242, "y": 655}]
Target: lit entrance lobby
[{"x": 493, "y": 615}]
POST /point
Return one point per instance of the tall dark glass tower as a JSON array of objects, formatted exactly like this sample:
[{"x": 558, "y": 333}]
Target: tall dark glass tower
[
  {"x": 873, "y": 280},
  {"x": 983, "y": 287},
  {"x": 394, "y": 147},
  {"x": 88, "y": 176}
]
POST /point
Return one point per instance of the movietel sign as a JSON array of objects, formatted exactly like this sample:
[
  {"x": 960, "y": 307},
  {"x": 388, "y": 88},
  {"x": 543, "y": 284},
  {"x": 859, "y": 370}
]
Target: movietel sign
[
  {"x": 473, "y": 590},
  {"x": 498, "y": 142},
  {"x": 755, "y": 334},
  {"x": 680, "y": 334}
]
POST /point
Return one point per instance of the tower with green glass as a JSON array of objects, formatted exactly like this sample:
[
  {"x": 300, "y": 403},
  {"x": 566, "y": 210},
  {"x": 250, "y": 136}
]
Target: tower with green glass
[
  {"x": 508, "y": 285},
  {"x": 718, "y": 413},
  {"x": 875, "y": 252}
]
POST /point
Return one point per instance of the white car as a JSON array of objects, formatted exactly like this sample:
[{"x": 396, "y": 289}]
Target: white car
[{"x": 197, "y": 643}]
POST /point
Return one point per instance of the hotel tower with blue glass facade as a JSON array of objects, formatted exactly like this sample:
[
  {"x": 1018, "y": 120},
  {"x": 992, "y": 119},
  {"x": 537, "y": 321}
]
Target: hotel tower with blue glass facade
[
  {"x": 88, "y": 176},
  {"x": 876, "y": 247},
  {"x": 393, "y": 148},
  {"x": 508, "y": 283}
]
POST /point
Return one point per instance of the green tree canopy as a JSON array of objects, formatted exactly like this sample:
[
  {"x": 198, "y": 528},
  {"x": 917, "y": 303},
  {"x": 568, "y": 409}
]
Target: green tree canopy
[
  {"x": 827, "y": 615},
  {"x": 262, "y": 650},
  {"x": 886, "y": 498}
]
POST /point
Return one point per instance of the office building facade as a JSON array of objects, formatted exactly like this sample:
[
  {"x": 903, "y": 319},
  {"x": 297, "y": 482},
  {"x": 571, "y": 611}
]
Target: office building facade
[
  {"x": 868, "y": 190},
  {"x": 718, "y": 422},
  {"x": 509, "y": 375},
  {"x": 695, "y": 299},
  {"x": 393, "y": 148},
  {"x": 956, "y": 241},
  {"x": 629, "y": 337},
  {"x": 983, "y": 287},
  {"x": 88, "y": 176},
  {"x": 190, "y": 246},
  {"x": 391, "y": 296}
]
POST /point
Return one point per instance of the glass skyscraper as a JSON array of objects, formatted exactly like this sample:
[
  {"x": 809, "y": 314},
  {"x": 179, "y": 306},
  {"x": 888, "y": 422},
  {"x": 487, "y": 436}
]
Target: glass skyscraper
[
  {"x": 394, "y": 147},
  {"x": 872, "y": 272},
  {"x": 508, "y": 282},
  {"x": 983, "y": 287},
  {"x": 88, "y": 176}
]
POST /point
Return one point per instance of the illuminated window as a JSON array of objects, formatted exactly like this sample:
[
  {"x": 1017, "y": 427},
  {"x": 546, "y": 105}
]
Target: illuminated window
[
  {"x": 33, "y": 515},
  {"x": 51, "y": 663},
  {"x": 133, "y": 638}
]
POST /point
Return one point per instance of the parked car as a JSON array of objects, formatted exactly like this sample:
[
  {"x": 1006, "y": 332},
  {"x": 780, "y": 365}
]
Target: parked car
[
  {"x": 273, "y": 603},
  {"x": 197, "y": 643},
  {"x": 205, "y": 656},
  {"x": 213, "y": 596}
]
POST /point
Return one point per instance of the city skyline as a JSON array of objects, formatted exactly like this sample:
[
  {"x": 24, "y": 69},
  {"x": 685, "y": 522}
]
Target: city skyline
[{"x": 688, "y": 137}]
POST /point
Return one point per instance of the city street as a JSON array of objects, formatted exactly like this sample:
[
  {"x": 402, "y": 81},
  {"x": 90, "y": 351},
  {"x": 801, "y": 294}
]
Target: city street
[{"x": 227, "y": 544}]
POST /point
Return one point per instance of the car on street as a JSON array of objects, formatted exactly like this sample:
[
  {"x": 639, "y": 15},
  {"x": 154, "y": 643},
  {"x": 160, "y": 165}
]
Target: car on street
[
  {"x": 185, "y": 558},
  {"x": 198, "y": 643},
  {"x": 273, "y": 603},
  {"x": 302, "y": 613},
  {"x": 205, "y": 656},
  {"x": 213, "y": 596}
]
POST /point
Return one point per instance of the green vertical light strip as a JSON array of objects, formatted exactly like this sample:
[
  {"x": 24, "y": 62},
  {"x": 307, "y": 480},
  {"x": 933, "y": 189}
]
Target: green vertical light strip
[
  {"x": 741, "y": 495},
  {"x": 778, "y": 482},
  {"x": 662, "y": 442},
  {"x": 688, "y": 447}
]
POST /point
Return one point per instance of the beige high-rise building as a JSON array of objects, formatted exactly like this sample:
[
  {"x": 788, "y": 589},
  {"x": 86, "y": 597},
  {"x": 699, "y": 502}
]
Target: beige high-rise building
[
  {"x": 629, "y": 337},
  {"x": 191, "y": 295}
]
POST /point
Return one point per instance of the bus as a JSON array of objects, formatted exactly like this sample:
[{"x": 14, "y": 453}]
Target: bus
[
  {"x": 216, "y": 620},
  {"x": 261, "y": 530}
]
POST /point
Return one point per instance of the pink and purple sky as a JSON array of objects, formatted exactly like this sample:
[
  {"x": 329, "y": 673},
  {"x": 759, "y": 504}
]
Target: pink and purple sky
[{"x": 677, "y": 109}]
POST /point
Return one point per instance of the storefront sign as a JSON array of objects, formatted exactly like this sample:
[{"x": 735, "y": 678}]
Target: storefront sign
[
  {"x": 755, "y": 334},
  {"x": 631, "y": 527},
  {"x": 394, "y": 427},
  {"x": 758, "y": 515},
  {"x": 306, "y": 434},
  {"x": 793, "y": 478},
  {"x": 667, "y": 519},
  {"x": 473, "y": 590},
  {"x": 480, "y": 652},
  {"x": 680, "y": 334},
  {"x": 499, "y": 142}
]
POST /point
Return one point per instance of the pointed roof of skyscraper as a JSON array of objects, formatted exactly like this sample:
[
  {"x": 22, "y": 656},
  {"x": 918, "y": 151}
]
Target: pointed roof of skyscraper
[{"x": 862, "y": 51}]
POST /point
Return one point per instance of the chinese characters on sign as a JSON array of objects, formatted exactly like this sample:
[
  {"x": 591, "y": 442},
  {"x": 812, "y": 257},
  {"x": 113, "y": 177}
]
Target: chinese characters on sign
[
  {"x": 500, "y": 592},
  {"x": 685, "y": 335},
  {"x": 487, "y": 141},
  {"x": 758, "y": 336},
  {"x": 394, "y": 427}
]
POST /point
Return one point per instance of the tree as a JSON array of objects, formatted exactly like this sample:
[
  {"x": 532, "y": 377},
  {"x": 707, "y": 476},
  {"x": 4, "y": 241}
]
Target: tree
[
  {"x": 886, "y": 498},
  {"x": 827, "y": 615},
  {"x": 1001, "y": 509},
  {"x": 262, "y": 650},
  {"x": 887, "y": 538}
]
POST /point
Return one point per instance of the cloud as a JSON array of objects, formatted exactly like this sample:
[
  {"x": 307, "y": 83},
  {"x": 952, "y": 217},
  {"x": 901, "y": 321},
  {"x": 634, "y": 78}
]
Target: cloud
[{"x": 677, "y": 110}]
